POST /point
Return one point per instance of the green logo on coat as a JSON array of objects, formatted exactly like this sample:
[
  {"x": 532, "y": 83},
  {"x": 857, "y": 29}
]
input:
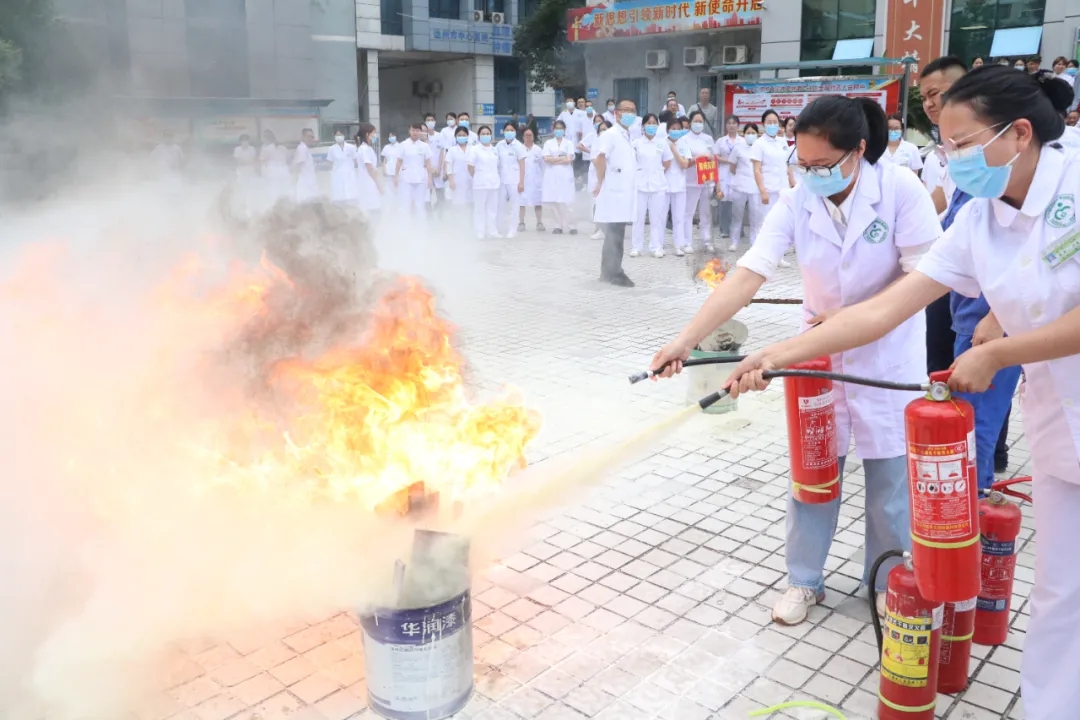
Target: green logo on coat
[
  {"x": 1061, "y": 213},
  {"x": 876, "y": 232}
]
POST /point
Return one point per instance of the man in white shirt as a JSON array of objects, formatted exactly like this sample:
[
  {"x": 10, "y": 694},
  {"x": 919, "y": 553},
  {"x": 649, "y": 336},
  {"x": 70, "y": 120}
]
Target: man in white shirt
[
  {"x": 307, "y": 183},
  {"x": 609, "y": 113},
  {"x": 567, "y": 116},
  {"x": 577, "y": 131},
  {"x": 463, "y": 120},
  {"x": 672, "y": 96},
  {"x": 710, "y": 111},
  {"x": 413, "y": 176},
  {"x": 615, "y": 165}
]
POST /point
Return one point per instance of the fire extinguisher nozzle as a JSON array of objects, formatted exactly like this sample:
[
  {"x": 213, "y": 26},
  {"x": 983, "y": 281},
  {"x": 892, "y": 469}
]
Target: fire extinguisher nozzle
[{"x": 712, "y": 398}]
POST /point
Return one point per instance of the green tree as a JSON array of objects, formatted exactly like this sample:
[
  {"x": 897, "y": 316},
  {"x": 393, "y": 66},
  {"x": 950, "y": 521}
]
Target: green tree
[
  {"x": 38, "y": 57},
  {"x": 541, "y": 42},
  {"x": 10, "y": 65},
  {"x": 916, "y": 116}
]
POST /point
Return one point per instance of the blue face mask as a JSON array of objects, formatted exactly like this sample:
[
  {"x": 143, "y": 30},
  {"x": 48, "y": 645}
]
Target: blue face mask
[
  {"x": 464, "y": 124},
  {"x": 676, "y": 134},
  {"x": 559, "y": 133},
  {"x": 462, "y": 139},
  {"x": 650, "y": 130},
  {"x": 697, "y": 127},
  {"x": 968, "y": 169},
  {"x": 830, "y": 185},
  {"x": 627, "y": 119},
  {"x": 895, "y": 135},
  {"x": 509, "y": 134},
  {"x": 1070, "y": 71},
  {"x": 771, "y": 130},
  {"x": 485, "y": 139},
  {"x": 393, "y": 139}
]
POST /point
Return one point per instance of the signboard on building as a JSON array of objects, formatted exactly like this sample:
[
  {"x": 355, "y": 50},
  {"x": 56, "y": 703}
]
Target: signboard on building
[
  {"x": 499, "y": 38},
  {"x": 485, "y": 109},
  {"x": 287, "y": 130},
  {"x": 226, "y": 129},
  {"x": 748, "y": 100},
  {"x": 915, "y": 30},
  {"x": 652, "y": 17}
]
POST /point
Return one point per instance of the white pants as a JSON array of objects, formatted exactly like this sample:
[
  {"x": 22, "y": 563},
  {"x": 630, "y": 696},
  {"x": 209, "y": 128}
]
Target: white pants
[
  {"x": 697, "y": 199},
  {"x": 679, "y": 236},
  {"x": 508, "y": 204},
  {"x": 740, "y": 204},
  {"x": 485, "y": 212},
  {"x": 656, "y": 205},
  {"x": 413, "y": 198},
  {"x": 758, "y": 211},
  {"x": 561, "y": 211},
  {"x": 1051, "y": 662}
]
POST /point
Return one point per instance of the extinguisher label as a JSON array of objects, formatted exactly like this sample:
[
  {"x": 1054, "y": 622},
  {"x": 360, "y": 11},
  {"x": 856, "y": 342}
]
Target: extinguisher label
[
  {"x": 965, "y": 605},
  {"x": 941, "y": 507},
  {"x": 971, "y": 447},
  {"x": 905, "y": 649},
  {"x": 817, "y": 425},
  {"x": 998, "y": 566}
]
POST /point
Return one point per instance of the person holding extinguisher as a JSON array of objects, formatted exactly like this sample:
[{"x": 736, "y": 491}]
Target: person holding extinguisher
[
  {"x": 1017, "y": 242},
  {"x": 858, "y": 226}
]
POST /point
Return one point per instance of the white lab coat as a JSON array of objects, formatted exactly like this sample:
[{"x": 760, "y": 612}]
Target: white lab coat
[
  {"x": 246, "y": 178},
  {"x": 772, "y": 153},
  {"x": 616, "y": 202},
  {"x": 416, "y": 157},
  {"x": 277, "y": 183},
  {"x": 484, "y": 160},
  {"x": 368, "y": 195},
  {"x": 1008, "y": 254},
  {"x": 343, "y": 182},
  {"x": 457, "y": 166},
  {"x": 558, "y": 181},
  {"x": 723, "y": 149},
  {"x": 890, "y": 210},
  {"x": 1071, "y": 137},
  {"x": 534, "y": 177},
  {"x": 307, "y": 183},
  {"x": 649, "y": 159},
  {"x": 390, "y": 154},
  {"x": 905, "y": 155}
]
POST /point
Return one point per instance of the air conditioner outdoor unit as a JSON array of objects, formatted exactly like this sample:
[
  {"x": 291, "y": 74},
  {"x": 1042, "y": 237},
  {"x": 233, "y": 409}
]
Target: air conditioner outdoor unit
[
  {"x": 478, "y": 16},
  {"x": 694, "y": 56},
  {"x": 734, "y": 54},
  {"x": 656, "y": 59},
  {"x": 497, "y": 18}
]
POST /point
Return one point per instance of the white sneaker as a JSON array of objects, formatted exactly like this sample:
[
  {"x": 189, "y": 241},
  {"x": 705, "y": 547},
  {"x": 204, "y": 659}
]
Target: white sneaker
[
  {"x": 709, "y": 248},
  {"x": 734, "y": 247},
  {"x": 689, "y": 250},
  {"x": 784, "y": 263},
  {"x": 679, "y": 252},
  {"x": 881, "y": 603},
  {"x": 634, "y": 253},
  {"x": 792, "y": 608},
  {"x": 598, "y": 235},
  {"x": 658, "y": 253}
]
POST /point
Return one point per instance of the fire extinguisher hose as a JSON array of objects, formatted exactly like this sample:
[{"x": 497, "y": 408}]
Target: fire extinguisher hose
[
  {"x": 646, "y": 374},
  {"x": 715, "y": 397},
  {"x": 872, "y": 592}
]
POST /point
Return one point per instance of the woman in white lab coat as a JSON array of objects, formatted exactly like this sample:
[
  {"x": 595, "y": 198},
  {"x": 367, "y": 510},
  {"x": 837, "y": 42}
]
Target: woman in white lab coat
[
  {"x": 558, "y": 184},
  {"x": 533, "y": 195},
  {"x": 900, "y": 152},
  {"x": 512, "y": 179},
  {"x": 369, "y": 187},
  {"x": 1015, "y": 242},
  {"x": 769, "y": 156},
  {"x": 343, "y": 160},
  {"x": 484, "y": 169},
  {"x": 458, "y": 176},
  {"x": 698, "y": 195},
  {"x": 246, "y": 158},
  {"x": 653, "y": 157},
  {"x": 413, "y": 174},
  {"x": 390, "y": 154},
  {"x": 858, "y": 225},
  {"x": 681, "y": 157},
  {"x": 274, "y": 160},
  {"x": 743, "y": 184}
]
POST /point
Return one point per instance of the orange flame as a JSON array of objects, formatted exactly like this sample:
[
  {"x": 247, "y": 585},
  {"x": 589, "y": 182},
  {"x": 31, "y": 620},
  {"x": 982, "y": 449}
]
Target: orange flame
[{"x": 713, "y": 273}]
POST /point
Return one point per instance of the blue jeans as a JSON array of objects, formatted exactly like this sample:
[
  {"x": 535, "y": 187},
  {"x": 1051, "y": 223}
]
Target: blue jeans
[
  {"x": 991, "y": 409},
  {"x": 810, "y": 527}
]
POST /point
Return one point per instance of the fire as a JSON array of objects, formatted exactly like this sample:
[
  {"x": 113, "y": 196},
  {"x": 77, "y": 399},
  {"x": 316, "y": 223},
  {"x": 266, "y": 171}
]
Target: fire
[{"x": 713, "y": 273}]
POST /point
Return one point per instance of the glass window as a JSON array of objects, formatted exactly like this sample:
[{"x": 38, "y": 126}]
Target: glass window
[
  {"x": 445, "y": 9},
  {"x": 974, "y": 23},
  {"x": 509, "y": 86},
  {"x": 1020, "y": 13},
  {"x": 526, "y": 9},
  {"x": 217, "y": 48},
  {"x": 636, "y": 89},
  {"x": 819, "y": 19},
  {"x": 856, "y": 19},
  {"x": 392, "y": 22}
]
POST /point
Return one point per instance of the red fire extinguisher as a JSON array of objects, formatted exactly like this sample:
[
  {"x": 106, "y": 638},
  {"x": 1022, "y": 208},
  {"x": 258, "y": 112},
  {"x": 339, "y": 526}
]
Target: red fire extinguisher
[
  {"x": 910, "y": 644},
  {"x": 956, "y": 632},
  {"x": 999, "y": 520},
  {"x": 811, "y": 422},
  {"x": 943, "y": 494}
]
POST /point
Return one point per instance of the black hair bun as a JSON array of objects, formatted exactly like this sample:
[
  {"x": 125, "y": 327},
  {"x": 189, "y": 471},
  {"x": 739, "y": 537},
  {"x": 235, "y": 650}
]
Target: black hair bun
[{"x": 1059, "y": 91}]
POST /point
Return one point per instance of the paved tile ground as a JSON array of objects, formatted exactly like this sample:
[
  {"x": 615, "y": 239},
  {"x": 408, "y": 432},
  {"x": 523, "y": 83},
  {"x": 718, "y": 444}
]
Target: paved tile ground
[{"x": 650, "y": 597}]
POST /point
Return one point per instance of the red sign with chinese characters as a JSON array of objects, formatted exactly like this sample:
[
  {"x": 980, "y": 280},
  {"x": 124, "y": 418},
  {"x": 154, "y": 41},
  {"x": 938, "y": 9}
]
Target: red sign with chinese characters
[
  {"x": 650, "y": 17},
  {"x": 916, "y": 29},
  {"x": 706, "y": 170}
]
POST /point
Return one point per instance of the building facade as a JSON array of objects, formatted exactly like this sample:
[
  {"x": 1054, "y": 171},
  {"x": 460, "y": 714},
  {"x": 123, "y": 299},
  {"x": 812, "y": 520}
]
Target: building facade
[
  {"x": 234, "y": 60},
  {"x": 440, "y": 56},
  {"x": 643, "y": 49}
]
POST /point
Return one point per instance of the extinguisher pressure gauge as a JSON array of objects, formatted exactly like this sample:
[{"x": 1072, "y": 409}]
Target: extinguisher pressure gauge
[{"x": 939, "y": 392}]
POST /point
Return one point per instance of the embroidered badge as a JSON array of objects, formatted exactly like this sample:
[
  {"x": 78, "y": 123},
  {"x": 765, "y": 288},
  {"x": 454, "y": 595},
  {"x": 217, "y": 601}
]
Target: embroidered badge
[
  {"x": 876, "y": 232},
  {"x": 1061, "y": 213}
]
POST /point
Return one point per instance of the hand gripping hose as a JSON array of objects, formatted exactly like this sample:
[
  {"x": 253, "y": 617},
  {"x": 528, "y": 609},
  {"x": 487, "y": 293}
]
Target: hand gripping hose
[{"x": 715, "y": 397}]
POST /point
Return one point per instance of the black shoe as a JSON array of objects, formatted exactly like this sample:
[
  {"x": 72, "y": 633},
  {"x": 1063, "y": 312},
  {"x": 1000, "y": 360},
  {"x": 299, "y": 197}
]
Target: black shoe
[
  {"x": 573, "y": 231},
  {"x": 557, "y": 231},
  {"x": 620, "y": 280},
  {"x": 1001, "y": 463}
]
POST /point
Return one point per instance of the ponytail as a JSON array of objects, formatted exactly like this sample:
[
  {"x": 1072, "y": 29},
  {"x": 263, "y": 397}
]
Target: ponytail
[
  {"x": 877, "y": 125},
  {"x": 843, "y": 122}
]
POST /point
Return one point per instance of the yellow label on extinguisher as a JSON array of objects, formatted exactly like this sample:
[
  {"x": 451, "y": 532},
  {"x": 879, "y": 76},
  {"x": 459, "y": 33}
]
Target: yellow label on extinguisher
[{"x": 905, "y": 649}]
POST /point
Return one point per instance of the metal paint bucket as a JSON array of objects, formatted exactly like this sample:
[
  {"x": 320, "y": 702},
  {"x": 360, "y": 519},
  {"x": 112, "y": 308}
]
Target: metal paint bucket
[
  {"x": 704, "y": 379},
  {"x": 419, "y": 661}
]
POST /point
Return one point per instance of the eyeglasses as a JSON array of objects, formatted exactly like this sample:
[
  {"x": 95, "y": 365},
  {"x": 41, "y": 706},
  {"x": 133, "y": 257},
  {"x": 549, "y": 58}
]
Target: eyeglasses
[
  {"x": 818, "y": 170},
  {"x": 951, "y": 146}
]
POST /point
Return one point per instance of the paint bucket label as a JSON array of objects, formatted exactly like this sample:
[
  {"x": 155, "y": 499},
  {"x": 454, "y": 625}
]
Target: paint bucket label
[{"x": 419, "y": 662}]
